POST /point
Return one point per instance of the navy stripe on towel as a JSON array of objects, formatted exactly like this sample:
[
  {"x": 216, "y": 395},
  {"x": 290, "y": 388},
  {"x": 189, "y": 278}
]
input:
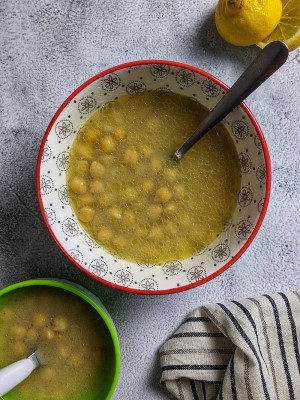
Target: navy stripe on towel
[
  {"x": 194, "y": 391},
  {"x": 250, "y": 344},
  {"x": 204, "y": 367},
  {"x": 293, "y": 329},
  {"x": 196, "y": 351},
  {"x": 251, "y": 320},
  {"x": 197, "y": 319},
  {"x": 281, "y": 346},
  {"x": 198, "y": 334},
  {"x": 232, "y": 380},
  {"x": 203, "y": 390}
]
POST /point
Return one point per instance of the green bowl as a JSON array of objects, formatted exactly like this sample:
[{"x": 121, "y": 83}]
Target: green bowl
[{"x": 105, "y": 393}]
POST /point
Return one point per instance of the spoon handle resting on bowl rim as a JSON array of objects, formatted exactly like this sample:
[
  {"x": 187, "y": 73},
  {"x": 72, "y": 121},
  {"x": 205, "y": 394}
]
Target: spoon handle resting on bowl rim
[
  {"x": 272, "y": 57},
  {"x": 15, "y": 373}
]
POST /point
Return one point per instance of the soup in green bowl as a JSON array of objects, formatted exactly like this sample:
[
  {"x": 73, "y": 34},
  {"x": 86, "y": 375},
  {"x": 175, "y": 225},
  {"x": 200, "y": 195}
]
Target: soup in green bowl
[{"x": 72, "y": 334}]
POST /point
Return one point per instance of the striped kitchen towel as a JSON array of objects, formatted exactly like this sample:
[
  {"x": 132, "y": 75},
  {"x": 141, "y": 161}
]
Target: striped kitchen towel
[{"x": 245, "y": 350}]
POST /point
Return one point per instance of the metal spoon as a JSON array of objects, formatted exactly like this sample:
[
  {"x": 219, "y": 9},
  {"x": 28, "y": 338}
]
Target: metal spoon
[
  {"x": 15, "y": 373},
  {"x": 272, "y": 57}
]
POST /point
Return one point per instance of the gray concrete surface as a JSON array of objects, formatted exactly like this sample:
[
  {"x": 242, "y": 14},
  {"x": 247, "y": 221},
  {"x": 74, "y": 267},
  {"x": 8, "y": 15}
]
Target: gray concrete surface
[{"x": 48, "y": 48}]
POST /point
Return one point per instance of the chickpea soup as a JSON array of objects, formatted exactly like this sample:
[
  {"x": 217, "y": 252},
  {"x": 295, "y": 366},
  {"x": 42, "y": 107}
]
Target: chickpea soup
[
  {"x": 132, "y": 198},
  {"x": 69, "y": 336}
]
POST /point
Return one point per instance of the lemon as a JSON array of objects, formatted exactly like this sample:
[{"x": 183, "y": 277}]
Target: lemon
[
  {"x": 288, "y": 29},
  {"x": 247, "y": 22}
]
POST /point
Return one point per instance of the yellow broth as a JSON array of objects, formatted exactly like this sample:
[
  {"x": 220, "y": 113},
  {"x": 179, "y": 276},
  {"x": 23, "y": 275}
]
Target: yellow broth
[
  {"x": 132, "y": 198},
  {"x": 71, "y": 340}
]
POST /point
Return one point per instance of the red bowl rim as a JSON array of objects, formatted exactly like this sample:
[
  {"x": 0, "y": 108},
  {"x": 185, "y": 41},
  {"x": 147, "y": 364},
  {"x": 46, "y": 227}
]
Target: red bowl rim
[{"x": 257, "y": 225}]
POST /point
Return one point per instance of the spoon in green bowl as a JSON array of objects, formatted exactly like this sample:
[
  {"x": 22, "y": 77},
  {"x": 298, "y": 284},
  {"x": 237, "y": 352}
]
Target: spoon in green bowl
[
  {"x": 15, "y": 373},
  {"x": 272, "y": 57}
]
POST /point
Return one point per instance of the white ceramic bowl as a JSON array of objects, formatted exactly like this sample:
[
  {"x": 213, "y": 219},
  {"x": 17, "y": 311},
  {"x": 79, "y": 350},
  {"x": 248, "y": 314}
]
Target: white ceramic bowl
[{"x": 132, "y": 78}]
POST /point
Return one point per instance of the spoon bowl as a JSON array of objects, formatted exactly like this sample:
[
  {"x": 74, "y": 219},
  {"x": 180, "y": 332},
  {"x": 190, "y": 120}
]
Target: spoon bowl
[
  {"x": 17, "y": 372},
  {"x": 272, "y": 57}
]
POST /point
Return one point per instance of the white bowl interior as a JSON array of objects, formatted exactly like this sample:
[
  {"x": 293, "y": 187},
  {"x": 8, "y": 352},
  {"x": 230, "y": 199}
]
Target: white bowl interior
[{"x": 85, "y": 251}]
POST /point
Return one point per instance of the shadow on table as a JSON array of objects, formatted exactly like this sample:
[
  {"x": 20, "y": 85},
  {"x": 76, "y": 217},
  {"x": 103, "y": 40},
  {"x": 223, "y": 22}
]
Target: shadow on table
[
  {"x": 154, "y": 379},
  {"x": 206, "y": 38},
  {"x": 27, "y": 250}
]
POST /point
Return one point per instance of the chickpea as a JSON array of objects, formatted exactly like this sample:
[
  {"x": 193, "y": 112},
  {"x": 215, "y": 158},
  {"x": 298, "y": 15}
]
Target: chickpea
[
  {"x": 106, "y": 128},
  {"x": 97, "y": 169},
  {"x": 130, "y": 193},
  {"x": 19, "y": 349},
  {"x": 170, "y": 227},
  {"x": 91, "y": 134},
  {"x": 147, "y": 185},
  {"x": 141, "y": 231},
  {"x": 46, "y": 372},
  {"x": 39, "y": 320},
  {"x": 32, "y": 335},
  {"x": 120, "y": 242},
  {"x": 154, "y": 211},
  {"x": 119, "y": 134},
  {"x": 86, "y": 199},
  {"x": 170, "y": 208},
  {"x": 104, "y": 235},
  {"x": 105, "y": 199},
  {"x": 82, "y": 167},
  {"x": 163, "y": 195},
  {"x": 47, "y": 334},
  {"x": 60, "y": 324},
  {"x": 78, "y": 185},
  {"x": 155, "y": 233},
  {"x": 86, "y": 214},
  {"x": 156, "y": 165},
  {"x": 96, "y": 186},
  {"x": 129, "y": 218},
  {"x": 18, "y": 331},
  {"x": 170, "y": 175},
  {"x": 107, "y": 144},
  {"x": 84, "y": 151},
  {"x": 114, "y": 212},
  {"x": 130, "y": 157}
]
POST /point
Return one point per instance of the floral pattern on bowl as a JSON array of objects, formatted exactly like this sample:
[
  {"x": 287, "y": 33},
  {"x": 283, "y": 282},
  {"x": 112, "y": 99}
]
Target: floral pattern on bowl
[{"x": 134, "y": 78}]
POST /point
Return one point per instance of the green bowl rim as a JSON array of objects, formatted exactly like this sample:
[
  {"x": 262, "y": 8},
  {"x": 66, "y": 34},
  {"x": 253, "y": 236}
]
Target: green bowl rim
[{"x": 67, "y": 285}]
